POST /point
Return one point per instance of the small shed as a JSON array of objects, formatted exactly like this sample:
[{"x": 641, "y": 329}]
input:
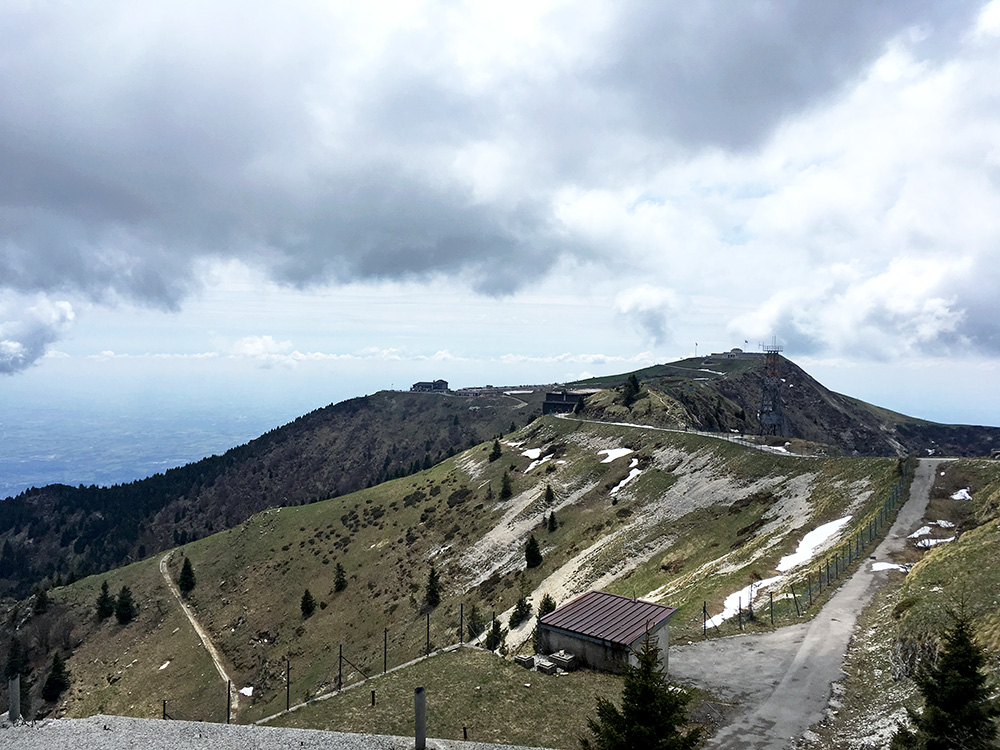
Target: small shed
[{"x": 602, "y": 630}]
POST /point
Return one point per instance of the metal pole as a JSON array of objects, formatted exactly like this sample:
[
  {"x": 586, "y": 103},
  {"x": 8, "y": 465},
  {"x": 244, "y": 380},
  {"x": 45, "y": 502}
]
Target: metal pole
[
  {"x": 288, "y": 684},
  {"x": 229, "y": 699},
  {"x": 771, "y": 597},
  {"x": 809, "y": 583},
  {"x": 164, "y": 710},
  {"x": 428, "y": 650},
  {"x": 461, "y": 623},
  {"x": 704, "y": 619},
  {"x": 420, "y": 718},
  {"x": 796, "y": 600},
  {"x": 739, "y": 610},
  {"x": 340, "y": 668},
  {"x": 373, "y": 697},
  {"x": 385, "y": 651}
]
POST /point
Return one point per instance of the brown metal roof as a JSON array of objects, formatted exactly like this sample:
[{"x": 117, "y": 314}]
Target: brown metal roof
[{"x": 608, "y": 617}]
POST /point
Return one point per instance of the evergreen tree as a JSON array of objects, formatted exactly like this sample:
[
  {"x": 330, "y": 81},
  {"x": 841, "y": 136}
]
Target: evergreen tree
[
  {"x": 548, "y": 604},
  {"x": 958, "y": 711},
  {"x": 187, "y": 581},
  {"x": 496, "y": 637},
  {"x": 58, "y": 680},
  {"x": 105, "y": 603},
  {"x": 432, "y": 595},
  {"x": 41, "y": 605},
  {"x": 532, "y": 554},
  {"x": 580, "y": 405},
  {"x": 496, "y": 452},
  {"x": 651, "y": 713},
  {"x": 474, "y": 622},
  {"x": 522, "y": 611},
  {"x": 125, "y": 608},
  {"x": 506, "y": 490},
  {"x": 630, "y": 391},
  {"x": 552, "y": 524},
  {"x": 550, "y": 496},
  {"x": 307, "y": 605},
  {"x": 339, "y": 578}
]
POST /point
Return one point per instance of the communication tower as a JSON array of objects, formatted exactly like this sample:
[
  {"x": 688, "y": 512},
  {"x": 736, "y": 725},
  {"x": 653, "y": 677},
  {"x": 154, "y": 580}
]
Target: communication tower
[{"x": 771, "y": 420}]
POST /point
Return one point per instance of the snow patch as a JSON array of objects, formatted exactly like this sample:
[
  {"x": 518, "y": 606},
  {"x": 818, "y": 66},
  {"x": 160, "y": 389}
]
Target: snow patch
[
  {"x": 962, "y": 494},
  {"x": 928, "y": 543},
  {"x": 740, "y": 599},
  {"x": 247, "y": 691},
  {"x": 532, "y": 453},
  {"x": 614, "y": 454},
  {"x": 876, "y": 567},
  {"x": 946, "y": 524},
  {"x": 631, "y": 475},
  {"x": 922, "y": 531},
  {"x": 164, "y": 665},
  {"x": 810, "y": 543},
  {"x": 536, "y": 463}
]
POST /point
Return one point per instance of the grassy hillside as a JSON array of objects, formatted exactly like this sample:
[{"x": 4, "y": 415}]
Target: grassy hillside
[
  {"x": 332, "y": 451},
  {"x": 680, "y": 518}
]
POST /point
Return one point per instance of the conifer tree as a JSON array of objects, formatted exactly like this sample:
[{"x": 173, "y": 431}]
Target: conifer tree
[
  {"x": 630, "y": 391},
  {"x": 958, "y": 711},
  {"x": 506, "y": 490},
  {"x": 339, "y": 578},
  {"x": 125, "y": 608},
  {"x": 532, "y": 554},
  {"x": 550, "y": 496},
  {"x": 187, "y": 581},
  {"x": 58, "y": 680},
  {"x": 432, "y": 595},
  {"x": 496, "y": 637},
  {"x": 105, "y": 603},
  {"x": 548, "y": 604},
  {"x": 474, "y": 623},
  {"x": 307, "y": 605},
  {"x": 41, "y": 605},
  {"x": 651, "y": 713},
  {"x": 496, "y": 452},
  {"x": 522, "y": 611},
  {"x": 552, "y": 524}
]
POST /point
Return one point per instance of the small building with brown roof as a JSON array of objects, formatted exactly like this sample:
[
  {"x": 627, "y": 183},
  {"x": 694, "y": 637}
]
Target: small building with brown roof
[{"x": 603, "y": 630}]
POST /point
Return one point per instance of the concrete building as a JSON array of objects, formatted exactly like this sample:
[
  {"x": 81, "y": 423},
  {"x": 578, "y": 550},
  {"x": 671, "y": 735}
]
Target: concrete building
[
  {"x": 424, "y": 386},
  {"x": 560, "y": 402},
  {"x": 602, "y": 630}
]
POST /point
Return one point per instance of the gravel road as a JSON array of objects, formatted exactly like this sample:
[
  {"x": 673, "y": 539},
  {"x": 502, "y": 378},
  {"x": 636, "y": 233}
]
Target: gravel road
[
  {"x": 123, "y": 733},
  {"x": 782, "y": 680}
]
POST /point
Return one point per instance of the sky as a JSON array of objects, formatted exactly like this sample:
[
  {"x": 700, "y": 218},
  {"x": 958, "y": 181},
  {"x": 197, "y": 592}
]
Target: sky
[{"x": 271, "y": 206}]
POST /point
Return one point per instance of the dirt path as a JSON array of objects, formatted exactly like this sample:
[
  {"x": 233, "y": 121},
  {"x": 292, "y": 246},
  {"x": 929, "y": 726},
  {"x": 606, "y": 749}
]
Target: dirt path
[
  {"x": 206, "y": 640},
  {"x": 782, "y": 680}
]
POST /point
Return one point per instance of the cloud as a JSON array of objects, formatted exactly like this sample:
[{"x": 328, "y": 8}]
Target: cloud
[
  {"x": 27, "y": 328},
  {"x": 650, "y": 308}
]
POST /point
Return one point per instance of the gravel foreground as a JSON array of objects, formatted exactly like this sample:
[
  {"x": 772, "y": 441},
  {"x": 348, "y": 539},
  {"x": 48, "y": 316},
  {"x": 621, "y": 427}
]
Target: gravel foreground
[{"x": 124, "y": 733}]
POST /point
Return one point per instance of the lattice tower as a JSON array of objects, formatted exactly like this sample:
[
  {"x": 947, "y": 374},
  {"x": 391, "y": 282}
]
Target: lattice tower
[{"x": 772, "y": 422}]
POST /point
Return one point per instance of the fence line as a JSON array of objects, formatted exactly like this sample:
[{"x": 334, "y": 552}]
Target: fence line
[{"x": 829, "y": 570}]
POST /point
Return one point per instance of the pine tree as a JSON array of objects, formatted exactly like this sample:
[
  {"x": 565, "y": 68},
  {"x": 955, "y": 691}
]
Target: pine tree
[
  {"x": 474, "y": 623},
  {"x": 432, "y": 595},
  {"x": 522, "y": 611},
  {"x": 630, "y": 391},
  {"x": 41, "y": 605},
  {"x": 550, "y": 496},
  {"x": 496, "y": 452},
  {"x": 958, "y": 711},
  {"x": 187, "y": 581},
  {"x": 552, "y": 524},
  {"x": 548, "y": 604},
  {"x": 496, "y": 637},
  {"x": 651, "y": 713},
  {"x": 125, "y": 608},
  {"x": 105, "y": 603},
  {"x": 339, "y": 578},
  {"x": 532, "y": 554},
  {"x": 506, "y": 490},
  {"x": 58, "y": 680},
  {"x": 307, "y": 605},
  {"x": 580, "y": 405}
]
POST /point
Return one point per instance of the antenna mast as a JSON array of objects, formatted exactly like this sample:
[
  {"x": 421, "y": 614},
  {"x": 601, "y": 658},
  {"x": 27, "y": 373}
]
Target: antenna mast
[{"x": 772, "y": 422}]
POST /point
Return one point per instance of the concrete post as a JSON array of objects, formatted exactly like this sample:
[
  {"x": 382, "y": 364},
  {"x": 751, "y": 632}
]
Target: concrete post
[
  {"x": 420, "y": 718},
  {"x": 15, "y": 698}
]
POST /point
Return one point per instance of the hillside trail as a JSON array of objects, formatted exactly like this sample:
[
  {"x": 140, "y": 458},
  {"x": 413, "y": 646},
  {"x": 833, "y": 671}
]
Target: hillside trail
[
  {"x": 206, "y": 639},
  {"x": 782, "y": 681}
]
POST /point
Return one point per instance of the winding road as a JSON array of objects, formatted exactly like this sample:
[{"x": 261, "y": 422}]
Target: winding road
[
  {"x": 782, "y": 680},
  {"x": 206, "y": 639}
]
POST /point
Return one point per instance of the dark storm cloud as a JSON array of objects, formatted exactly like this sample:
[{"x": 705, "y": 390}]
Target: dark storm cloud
[
  {"x": 135, "y": 141},
  {"x": 726, "y": 74}
]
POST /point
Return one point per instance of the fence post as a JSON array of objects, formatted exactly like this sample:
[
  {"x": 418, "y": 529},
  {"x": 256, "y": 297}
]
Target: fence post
[
  {"x": 340, "y": 668},
  {"x": 427, "y": 652},
  {"x": 288, "y": 683},
  {"x": 704, "y": 619},
  {"x": 229, "y": 699},
  {"x": 461, "y": 623},
  {"x": 795, "y": 599},
  {"x": 420, "y": 718},
  {"x": 385, "y": 651},
  {"x": 164, "y": 710},
  {"x": 770, "y": 595}
]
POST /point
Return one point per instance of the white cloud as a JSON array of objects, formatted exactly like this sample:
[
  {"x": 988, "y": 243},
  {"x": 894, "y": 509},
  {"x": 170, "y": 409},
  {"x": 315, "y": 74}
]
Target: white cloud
[{"x": 650, "y": 308}]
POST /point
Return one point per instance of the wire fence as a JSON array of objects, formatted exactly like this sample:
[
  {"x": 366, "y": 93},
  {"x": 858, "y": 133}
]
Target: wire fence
[{"x": 803, "y": 592}]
